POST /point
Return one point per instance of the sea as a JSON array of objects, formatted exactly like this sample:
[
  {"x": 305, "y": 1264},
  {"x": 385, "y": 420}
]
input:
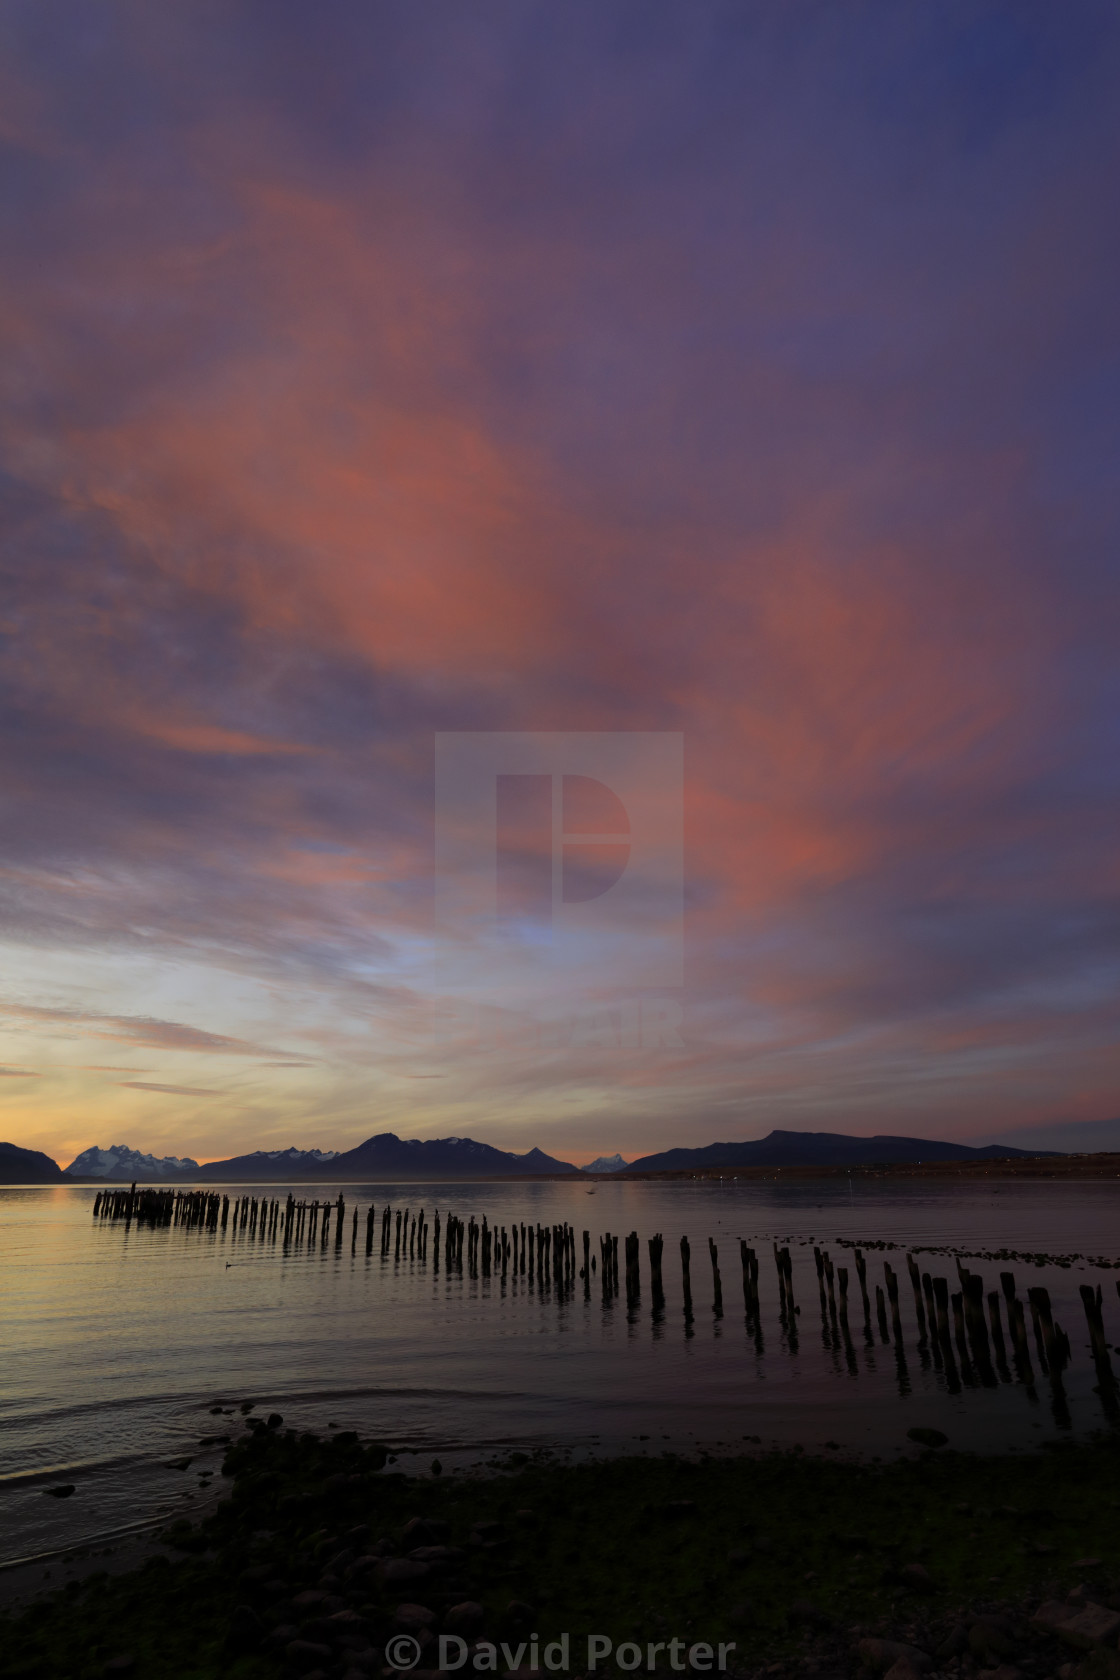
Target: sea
[{"x": 129, "y": 1350}]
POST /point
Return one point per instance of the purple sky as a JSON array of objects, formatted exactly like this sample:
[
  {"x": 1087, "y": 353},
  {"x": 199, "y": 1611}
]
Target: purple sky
[{"x": 379, "y": 371}]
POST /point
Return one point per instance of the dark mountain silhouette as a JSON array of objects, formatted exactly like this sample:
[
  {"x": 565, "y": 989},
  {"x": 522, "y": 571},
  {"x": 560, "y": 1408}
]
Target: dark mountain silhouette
[
  {"x": 387, "y": 1156},
  {"x": 820, "y": 1149},
  {"x": 27, "y": 1166}
]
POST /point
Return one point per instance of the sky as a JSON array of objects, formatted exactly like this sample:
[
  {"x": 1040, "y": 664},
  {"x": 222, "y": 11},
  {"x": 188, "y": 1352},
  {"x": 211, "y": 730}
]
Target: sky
[{"x": 741, "y": 377}]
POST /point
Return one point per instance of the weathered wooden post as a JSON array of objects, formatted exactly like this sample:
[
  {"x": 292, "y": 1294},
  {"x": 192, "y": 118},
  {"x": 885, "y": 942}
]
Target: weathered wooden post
[
  {"x": 745, "y": 1256},
  {"x": 997, "y": 1336},
  {"x": 717, "y": 1287},
  {"x": 919, "y": 1305},
  {"x": 931, "y": 1319},
  {"x": 1053, "y": 1339},
  {"x": 656, "y": 1244},
  {"x": 892, "y": 1295},
  {"x": 944, "y": 1334},
  {"x": 957, "y": 1302},
  {"x": 818, "y": 1257},
  {"x": 861, "y": 1273},
  {"x": 633, "y": 1282},
  {"x": 686, "y": 1278}
]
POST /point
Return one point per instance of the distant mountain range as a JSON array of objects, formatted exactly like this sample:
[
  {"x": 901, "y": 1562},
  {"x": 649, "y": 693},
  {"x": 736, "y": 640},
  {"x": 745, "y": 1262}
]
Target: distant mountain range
[
  {"x": 119, "y": 1161},
  {"x": 822, "y": 1149},
  {"x": 388, "y": 1158},
  {"x": 384, "y": 1157}
]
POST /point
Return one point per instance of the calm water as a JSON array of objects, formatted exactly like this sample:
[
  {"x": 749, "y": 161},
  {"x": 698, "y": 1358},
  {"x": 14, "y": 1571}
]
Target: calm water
[{"x": 116, "y": 1343}]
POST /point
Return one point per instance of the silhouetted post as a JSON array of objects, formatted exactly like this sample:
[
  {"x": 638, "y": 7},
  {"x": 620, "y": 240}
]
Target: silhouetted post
[
  {"x": 1091, "y": 1300},
  {"x": 959, "y": 1334},
  {"x": 656, "y": 1243},
  {"x": 931, "y": 1319},
  {"x": 686, "y": 1278},
  {"x": 881, "y": 1312},
  {"x": 1053, "y": 1340},
  {"x": 586, "y": 1264},
  {"x": 973, "y": 1290},
  {"x": 633, "y": 1283},
  {"x": 997, "y": 1336},
  {"x": 717, "y": 1287},
  {"x": 861, "y": 1273},
  {"x": 944, "y": 1334},
  {"x": 892, "y": 1295},
  {"x": 919, "y": 1307},
  {"x": 845, "y": 1332},
  {"x": 745, "y": 1254},
  {"x": 818, "y": 1257}
]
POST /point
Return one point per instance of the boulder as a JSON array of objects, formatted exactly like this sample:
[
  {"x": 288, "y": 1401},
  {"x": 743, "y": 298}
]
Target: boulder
[
  {"x": 1087, "y": 1628},
  {"x": 880, "y": 1655},
  {"x": 903, "y": 1669},
  {"x": 397, "y": 1572}
]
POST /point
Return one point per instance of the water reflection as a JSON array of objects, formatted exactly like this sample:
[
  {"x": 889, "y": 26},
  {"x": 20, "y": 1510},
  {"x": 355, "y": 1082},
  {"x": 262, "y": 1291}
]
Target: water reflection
[{"x": 446, "y": 1314}]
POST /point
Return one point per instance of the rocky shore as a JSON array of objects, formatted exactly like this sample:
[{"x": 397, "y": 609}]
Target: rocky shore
[{"x": 325, "y": 1560}]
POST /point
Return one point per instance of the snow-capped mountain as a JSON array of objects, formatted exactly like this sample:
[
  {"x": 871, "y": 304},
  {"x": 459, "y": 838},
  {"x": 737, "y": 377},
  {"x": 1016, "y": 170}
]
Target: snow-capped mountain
[
  {"x": 119, "y": 1161},
  {"x": 292, "y": 1154},
  {"x": 605, "y": 1164}
]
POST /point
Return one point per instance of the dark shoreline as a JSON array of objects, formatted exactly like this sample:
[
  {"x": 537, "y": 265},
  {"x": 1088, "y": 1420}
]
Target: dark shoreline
[{"x": 791, "y": 1557}]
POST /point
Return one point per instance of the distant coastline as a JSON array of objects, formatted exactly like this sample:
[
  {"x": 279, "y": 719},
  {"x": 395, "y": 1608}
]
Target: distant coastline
[{"x": 1069, "y": 1167}]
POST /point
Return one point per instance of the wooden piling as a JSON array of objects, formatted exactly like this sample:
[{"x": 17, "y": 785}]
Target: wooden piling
[
  {"x": 997, "y": 1336},
  {"x": 919, "y": 1304},
  {"x": 892, "y": 1295},
  {"x": 717, "y": 1287},
  {"x": 656, "y": 1244}
]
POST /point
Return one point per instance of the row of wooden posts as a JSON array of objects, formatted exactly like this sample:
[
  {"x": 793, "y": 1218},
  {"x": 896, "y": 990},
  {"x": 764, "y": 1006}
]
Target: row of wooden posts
[{"x": 953, "y": 1330}]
